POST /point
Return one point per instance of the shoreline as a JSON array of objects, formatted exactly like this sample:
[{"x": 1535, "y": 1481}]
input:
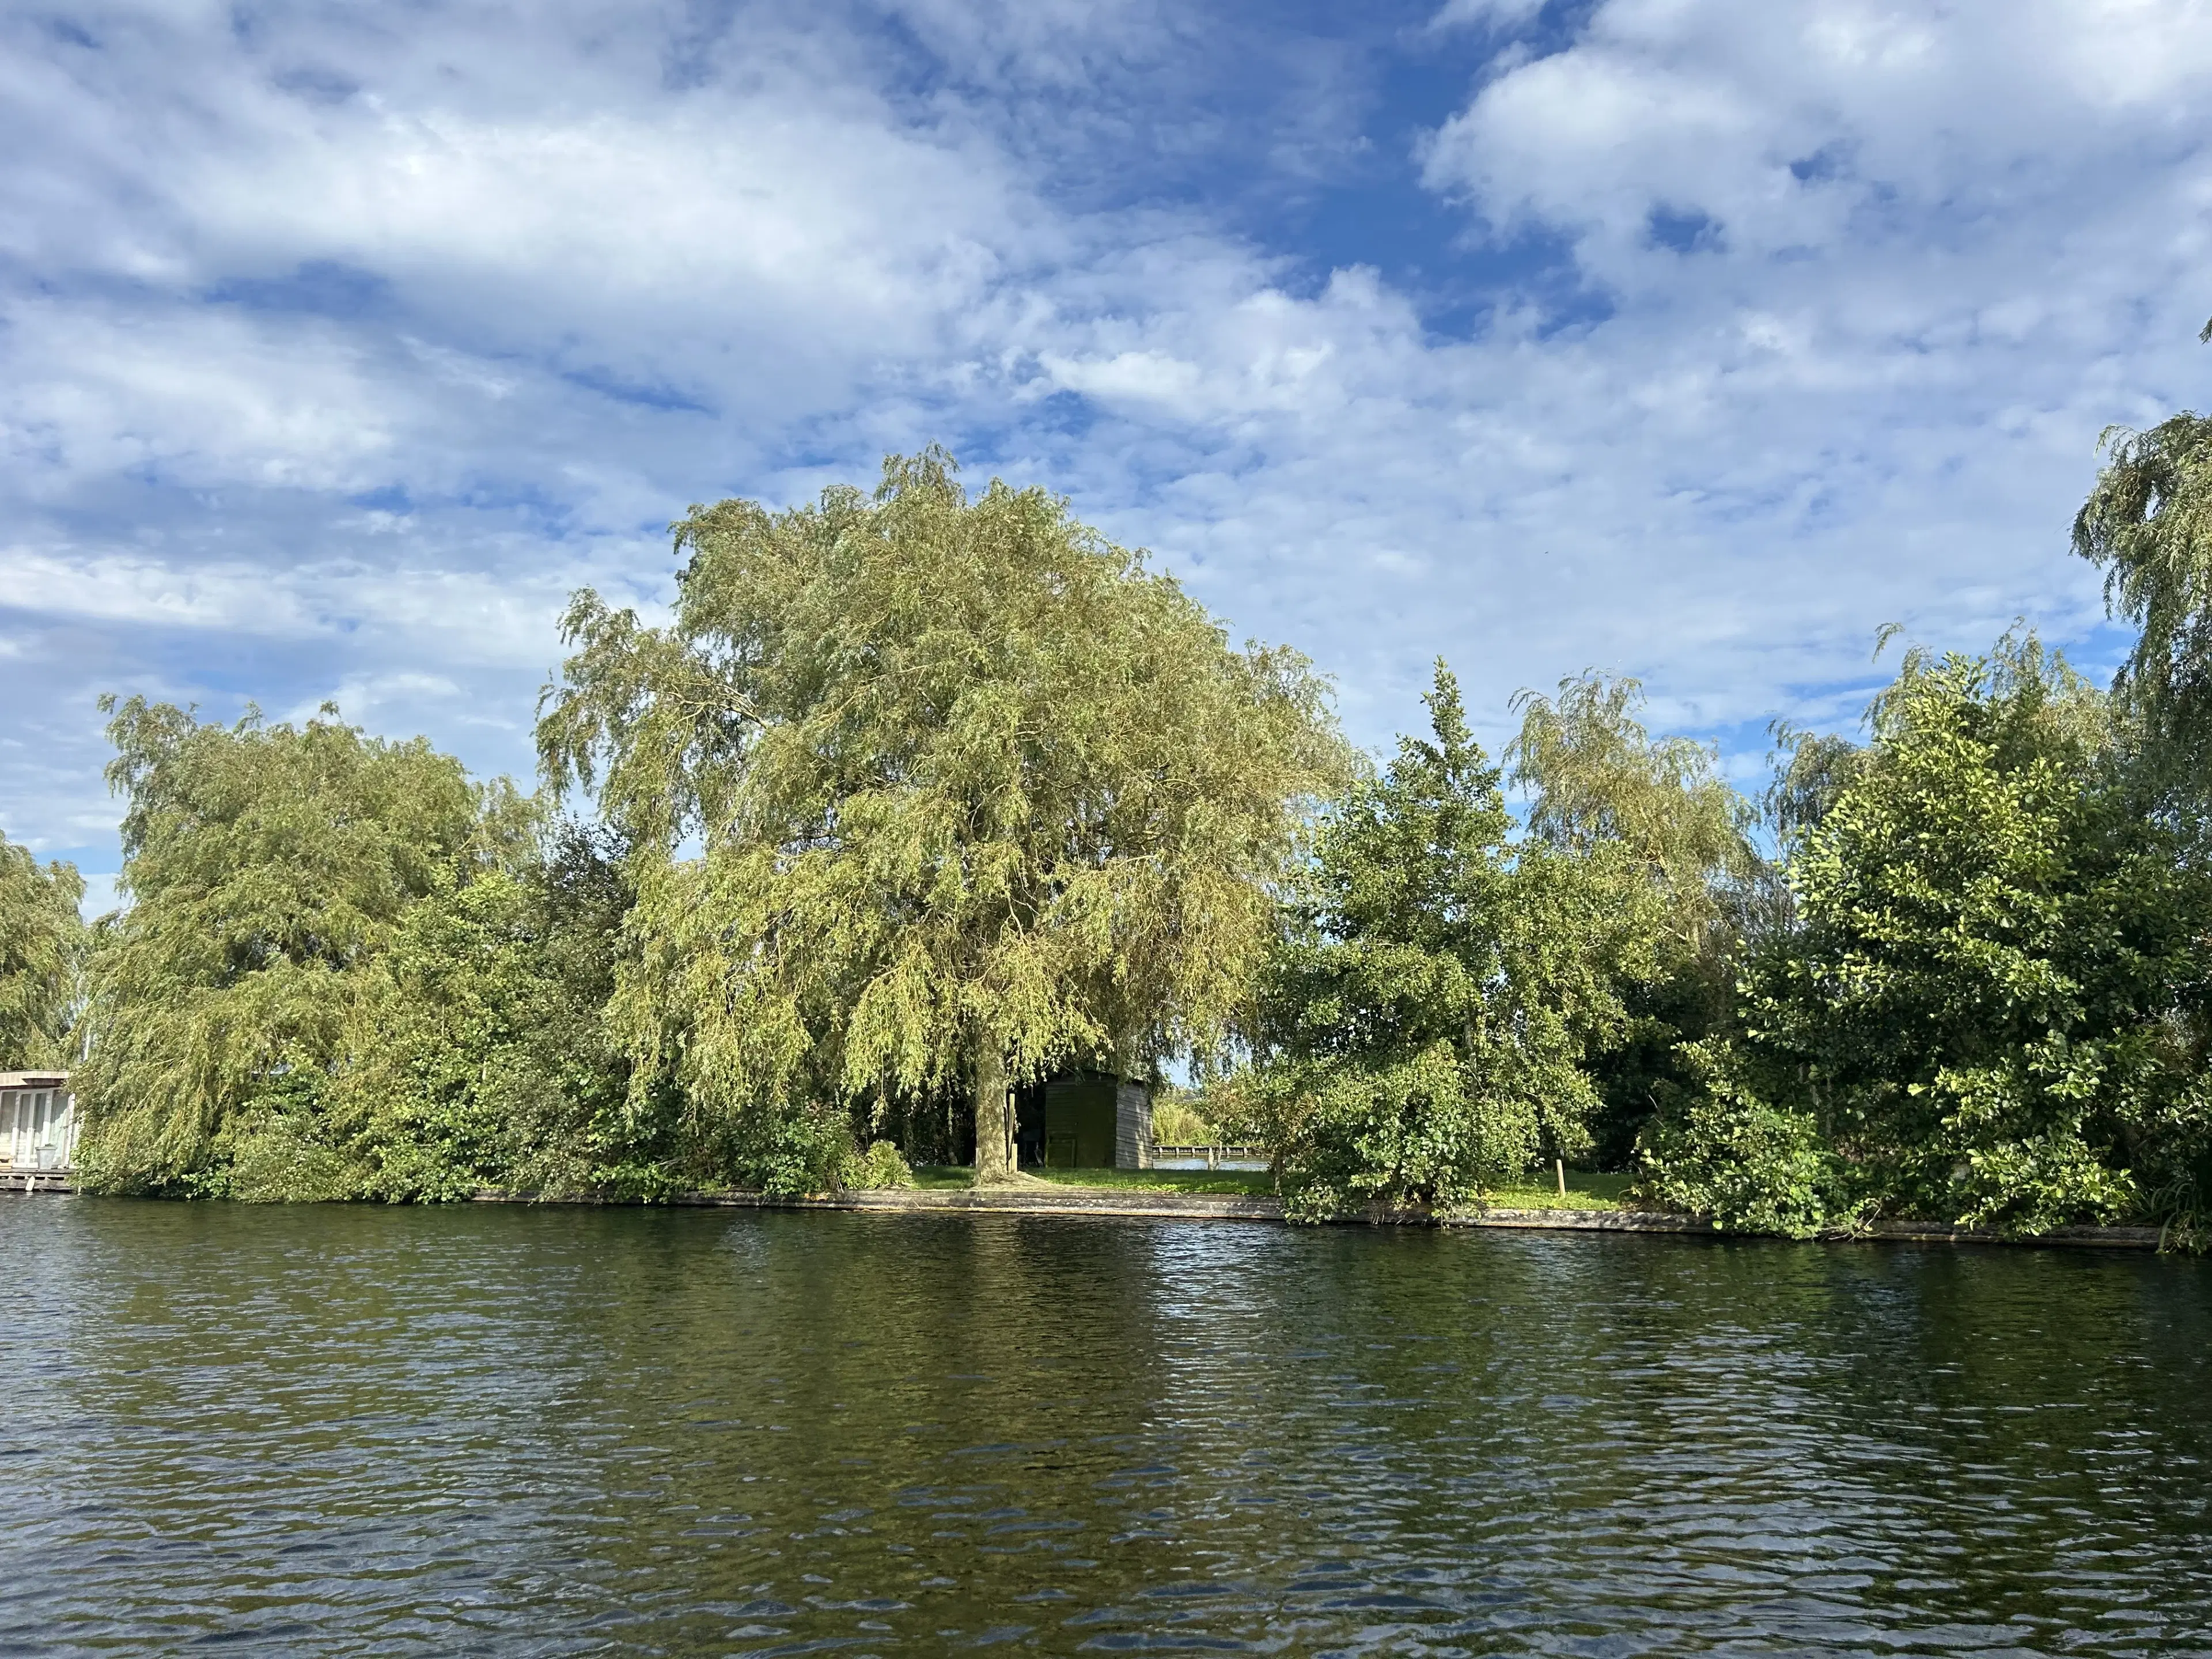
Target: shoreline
[
  {"x": 1137, "y": 1205},
  {"x": 1216, "y": 1207}
]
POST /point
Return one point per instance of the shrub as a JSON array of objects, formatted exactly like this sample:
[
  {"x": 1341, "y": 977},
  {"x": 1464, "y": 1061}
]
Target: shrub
[{"x": 881, "y": 1167}]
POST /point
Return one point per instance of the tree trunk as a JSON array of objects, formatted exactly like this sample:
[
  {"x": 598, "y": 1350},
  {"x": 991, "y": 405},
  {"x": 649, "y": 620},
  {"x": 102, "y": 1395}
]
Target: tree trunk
[{"x": 995, "y": 1117}]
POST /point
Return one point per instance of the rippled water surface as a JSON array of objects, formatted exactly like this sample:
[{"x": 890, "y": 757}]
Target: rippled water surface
[{"x": 511, "y": 1430}]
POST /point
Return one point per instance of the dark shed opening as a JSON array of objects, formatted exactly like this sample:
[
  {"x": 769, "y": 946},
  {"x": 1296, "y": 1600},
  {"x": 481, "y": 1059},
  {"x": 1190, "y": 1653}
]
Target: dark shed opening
[{"x": 1083, "y": 1120}]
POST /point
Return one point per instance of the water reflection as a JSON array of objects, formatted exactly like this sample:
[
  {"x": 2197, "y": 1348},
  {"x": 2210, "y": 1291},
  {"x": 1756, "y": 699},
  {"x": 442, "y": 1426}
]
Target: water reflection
[{"x": 545, "y": 1431}]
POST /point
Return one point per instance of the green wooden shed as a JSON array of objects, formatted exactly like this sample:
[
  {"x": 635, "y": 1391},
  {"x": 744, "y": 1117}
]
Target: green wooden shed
[{"x": 1084, "y": 1120}]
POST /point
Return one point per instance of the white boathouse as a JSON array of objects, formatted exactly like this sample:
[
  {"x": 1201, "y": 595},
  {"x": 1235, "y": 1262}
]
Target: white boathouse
[{"x": 38, "y": 1122}]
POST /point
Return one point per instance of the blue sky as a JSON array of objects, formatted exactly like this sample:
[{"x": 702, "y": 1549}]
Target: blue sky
[{"x": 1690, "y": 338}]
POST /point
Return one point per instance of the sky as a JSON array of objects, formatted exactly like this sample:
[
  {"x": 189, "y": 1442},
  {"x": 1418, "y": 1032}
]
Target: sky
[{"x": 1691, "y": 339}]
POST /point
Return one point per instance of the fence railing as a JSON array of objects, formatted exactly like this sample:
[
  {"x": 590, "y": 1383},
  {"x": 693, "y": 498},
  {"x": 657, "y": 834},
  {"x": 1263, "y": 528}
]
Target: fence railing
[{"x": 1212, "y": 1155}]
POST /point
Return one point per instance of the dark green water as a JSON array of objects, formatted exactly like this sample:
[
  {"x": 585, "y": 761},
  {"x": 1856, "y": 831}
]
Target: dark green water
[{"x": 508, "y": 1431}]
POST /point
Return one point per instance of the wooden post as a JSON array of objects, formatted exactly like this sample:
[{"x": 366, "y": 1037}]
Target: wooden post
[{"x": 1560, "y": 1164}]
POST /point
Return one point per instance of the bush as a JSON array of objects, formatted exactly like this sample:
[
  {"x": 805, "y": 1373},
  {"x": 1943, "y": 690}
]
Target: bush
[
  {"x": 281, "y": 1161},
  {"x": 1748, "y": 1164},
  {"x": 1995, "y": 995},
  {"x": 881, "y": 1167}
]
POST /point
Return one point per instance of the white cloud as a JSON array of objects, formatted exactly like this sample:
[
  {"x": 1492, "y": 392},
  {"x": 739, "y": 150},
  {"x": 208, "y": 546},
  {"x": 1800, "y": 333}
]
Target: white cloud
[
  {"x": 333, "y": 352},
  {"x": 1461, "y": 14},
  {"x": 211, "y": 399}
]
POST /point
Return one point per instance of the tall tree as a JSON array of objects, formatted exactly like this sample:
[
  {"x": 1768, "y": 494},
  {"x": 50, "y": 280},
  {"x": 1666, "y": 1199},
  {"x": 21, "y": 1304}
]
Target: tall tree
[
  {"x": 41, "y": 947},
  {"x": 1596, "y": 778},
  {"x": 1595, "y": 775},
  {"x": 1427, "y": 1017},
  {"x": 973, "y": 793},
  {"x": 2148, "y": 523},
  {"x": 265, "y": 867},
  {"x": 1994, "y": 1004}
]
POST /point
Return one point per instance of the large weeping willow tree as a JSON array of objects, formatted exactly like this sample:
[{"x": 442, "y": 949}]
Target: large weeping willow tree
[
  {"x": 928, "y": 793},
  {"x": 265, "y": 868}
]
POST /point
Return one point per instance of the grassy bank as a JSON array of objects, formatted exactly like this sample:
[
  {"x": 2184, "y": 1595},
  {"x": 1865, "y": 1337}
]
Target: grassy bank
[
  {"x": 1253, "y": 1183},
  {"x": 1584, "y": 1192}
]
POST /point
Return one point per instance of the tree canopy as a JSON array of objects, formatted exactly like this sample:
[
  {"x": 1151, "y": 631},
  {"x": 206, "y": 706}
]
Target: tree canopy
[
  {"x": 1992, "y": 1006},
  {"x": 41, "y": 948},
  {"x": 2148, "y": 523},
  {"x": 1598, "y": 781},
  {"x": 479, "y": 1055},
  {"x": 1425, "y": 1022},
  {"x": 927, "y": 792},
  {"x": 266, "y": 867},
  {"x": 918, "y": 795},
  {"x": 1595, "y": 776}
]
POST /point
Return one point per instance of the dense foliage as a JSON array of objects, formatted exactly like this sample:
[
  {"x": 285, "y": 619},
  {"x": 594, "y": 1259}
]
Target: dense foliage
[
  {"x": 1423, "y": 1027},
  {"x": 975, "y": 796},
  {"x": 921, "y": 796},
  {"x": 1992, "y": 1007},
  {"x": 1600, "y": 785},
  {"x": 41, "y": 948},
  {"x": 343, "y": 971},
  {"x": 265, "y": 866},
  {"x": 481, "y": 1056},
  {"x": 2148, "y": 524}
]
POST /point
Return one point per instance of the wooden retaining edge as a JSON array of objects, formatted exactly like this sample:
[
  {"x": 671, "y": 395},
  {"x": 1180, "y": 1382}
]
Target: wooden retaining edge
[
  {"x": 1216, "y": 1207},
  {"x": 1108, "y": 1201},
  {"x": 1945, "y": 1232},
  {"x": 1227, "y": 1206},
  {"x": 36, "y": 1180},
  {"x": 1220, "y": 1206}
]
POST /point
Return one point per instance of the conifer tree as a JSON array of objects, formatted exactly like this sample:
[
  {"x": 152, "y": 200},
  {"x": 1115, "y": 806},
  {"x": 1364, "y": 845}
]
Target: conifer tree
[{"x": 1425, "y": 1022}]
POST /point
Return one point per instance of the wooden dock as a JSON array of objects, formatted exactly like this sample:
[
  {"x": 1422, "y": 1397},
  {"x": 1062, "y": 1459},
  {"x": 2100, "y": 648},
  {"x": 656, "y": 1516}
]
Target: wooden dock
[{"x": 13, "y": 1179}]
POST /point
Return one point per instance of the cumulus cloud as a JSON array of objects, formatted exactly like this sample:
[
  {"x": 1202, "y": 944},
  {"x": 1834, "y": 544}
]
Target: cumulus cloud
[{"x": 338, "y": 345}]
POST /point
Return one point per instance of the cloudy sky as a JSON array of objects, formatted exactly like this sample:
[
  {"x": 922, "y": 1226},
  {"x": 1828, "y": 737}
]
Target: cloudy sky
[{"x": 1689, "y": 339}]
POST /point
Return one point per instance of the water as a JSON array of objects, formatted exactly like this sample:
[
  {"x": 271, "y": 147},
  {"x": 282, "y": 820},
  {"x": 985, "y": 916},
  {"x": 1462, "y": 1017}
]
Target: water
[
  {"x": 1249, "y": 1165},
  {"x": 517, "y": 1432}
]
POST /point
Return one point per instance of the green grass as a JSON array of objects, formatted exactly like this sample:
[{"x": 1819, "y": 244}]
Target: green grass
[
  {"x": 1248, "y": 1182},
  {"x": 1584, "y": 1192},
  {"x": 936, "y": 1178}
]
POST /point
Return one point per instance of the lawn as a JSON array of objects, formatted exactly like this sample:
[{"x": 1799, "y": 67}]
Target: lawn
[
  {"x": 1584, "y": 1192},
  {"x": 1242, "y": 1182}
]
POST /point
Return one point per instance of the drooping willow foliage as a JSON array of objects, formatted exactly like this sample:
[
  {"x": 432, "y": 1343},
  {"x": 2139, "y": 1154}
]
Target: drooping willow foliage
[
  {"x": 41, "y": 949},
  {"x": 265, "y": 869},
  {"x": 975, "y": 796},
  {"x": 2147, "y": 524}
]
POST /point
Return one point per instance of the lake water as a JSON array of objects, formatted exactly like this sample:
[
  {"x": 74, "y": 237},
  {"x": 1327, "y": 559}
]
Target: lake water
[{"x": 505, "y": 1431}]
